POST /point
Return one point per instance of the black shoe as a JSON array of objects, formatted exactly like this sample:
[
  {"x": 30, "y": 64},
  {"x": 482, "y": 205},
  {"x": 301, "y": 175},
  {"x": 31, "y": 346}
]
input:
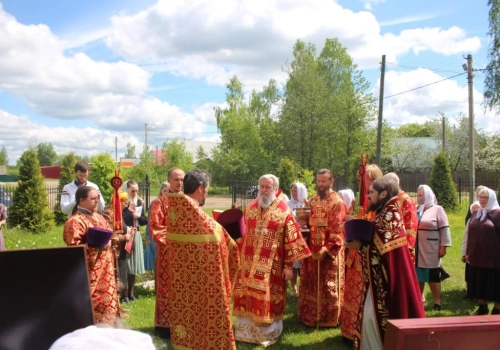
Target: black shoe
[
  {"x": 481, "y": 310},
  {"x": 495, "y": 311},
  {"x": 437, "y": 307},
  {"x": 133, "y": 298}
]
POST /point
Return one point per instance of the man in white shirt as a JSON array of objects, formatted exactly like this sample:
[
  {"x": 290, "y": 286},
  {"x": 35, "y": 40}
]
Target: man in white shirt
[{"x": 69, "y": 190}]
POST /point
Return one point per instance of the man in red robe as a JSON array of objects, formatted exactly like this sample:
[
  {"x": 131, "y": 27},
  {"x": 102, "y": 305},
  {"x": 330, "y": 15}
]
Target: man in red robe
[
  {"x": 390, "y": 289},
  {"x": 409, "y": 212},
  {"x": 158, "y": 222},
  {"x": 203, "y": 263},
  {"x": 325, "y": 269},
  {"x": 100, "y": 260},
  {"x": 271, "y": 244}
]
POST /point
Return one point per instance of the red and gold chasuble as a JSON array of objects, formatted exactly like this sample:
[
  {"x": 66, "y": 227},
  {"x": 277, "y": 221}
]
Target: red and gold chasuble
[
  {"x": 203, "y": 263},
  {"x": 353, "y": 290},
  {"x": 158, "y": 226},
  {"x": 389, "y": 274},
  {"x": 100, "y": 264},
  {"x": 410, "y": 220},
  {"x": 327, "y": 230},
  {"x": 272, "y": 241}
]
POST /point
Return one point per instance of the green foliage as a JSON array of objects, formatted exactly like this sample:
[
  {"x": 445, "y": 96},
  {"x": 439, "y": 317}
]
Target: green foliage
[
  {"x": 416, "y": 130},
  {"x": 492, "y": 71},
  {"x": 103, "y": 169},
  {"x": 4, "y": 159},
  {"x": 248, "y": 141},
  {"x": 130, "y": 151},
  {"x": 29, "y": 209},
  {"x": 46, "y": 154},
  {"x": 176, "y": 155},
  {"x": 287, "y": 174},
  {"x": 326, "y": 110},
  {"x": 307, "y": 178},
  {"x": 442, "y": 184},
  {"x": 68, "y": 162}
]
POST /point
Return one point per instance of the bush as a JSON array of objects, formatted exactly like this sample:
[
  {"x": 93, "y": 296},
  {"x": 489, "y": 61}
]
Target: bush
[
  {"x": 30, "y": 205},
  {"x": 442, "y": 184}
]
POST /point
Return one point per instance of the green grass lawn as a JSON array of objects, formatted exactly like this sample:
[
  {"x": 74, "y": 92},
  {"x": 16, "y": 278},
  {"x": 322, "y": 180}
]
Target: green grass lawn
[{"x": 295, "y": 336}]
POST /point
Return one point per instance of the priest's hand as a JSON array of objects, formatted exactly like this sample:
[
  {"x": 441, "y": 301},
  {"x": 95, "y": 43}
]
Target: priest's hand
[
  {"x": 320, "y": 254},
  {"x": 287, "y": 274},
  {"x": 355, "y": 244}
]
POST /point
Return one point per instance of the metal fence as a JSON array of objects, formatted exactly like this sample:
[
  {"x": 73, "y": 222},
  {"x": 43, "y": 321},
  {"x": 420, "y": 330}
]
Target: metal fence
[
  {"x": 7, "y": 192},
  {"x": 409, "y": 182},
  {"x": 243, "y": 192}
]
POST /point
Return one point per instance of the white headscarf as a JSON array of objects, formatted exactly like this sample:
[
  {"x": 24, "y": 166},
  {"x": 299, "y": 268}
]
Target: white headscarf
[
  {"x": 490, "y": 206},
  {"x": 301, "y": 196},
  {"x": 94, "y": 337},
  {"x": 429, "y": 199},
  {"x": 347, "y": 196}
]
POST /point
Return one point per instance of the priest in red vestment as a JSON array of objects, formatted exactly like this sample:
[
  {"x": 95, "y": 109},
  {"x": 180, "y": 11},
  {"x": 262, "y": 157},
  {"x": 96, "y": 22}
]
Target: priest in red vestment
[
  {"x": 409, "y": 212},
  {"x": 100, "y": 258},
  {"x": 203, "y": 262},
  {"x": 325, "y": 268},
  {"x": 158, "y": 222},
  {"x": 353, "y": 264},
  {"x": 390, "y": 288},
  {"x": 271, "y": 244}
]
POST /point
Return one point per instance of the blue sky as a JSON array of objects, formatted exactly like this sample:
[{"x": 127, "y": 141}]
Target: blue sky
[{"x": 79, "y": 74}]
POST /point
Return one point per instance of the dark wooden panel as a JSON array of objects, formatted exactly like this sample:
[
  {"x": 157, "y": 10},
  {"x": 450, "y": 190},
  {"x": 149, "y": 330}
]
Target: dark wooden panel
[{"x": 44, "y": 294}]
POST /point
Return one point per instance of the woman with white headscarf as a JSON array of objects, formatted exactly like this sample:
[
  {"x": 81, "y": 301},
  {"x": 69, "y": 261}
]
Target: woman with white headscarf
[
  {"x": 349, "y": 199},
  {"x": 433, "y": 236},
  {"x": 483, "y": 253},
  {"x": 298, "y": 199}
]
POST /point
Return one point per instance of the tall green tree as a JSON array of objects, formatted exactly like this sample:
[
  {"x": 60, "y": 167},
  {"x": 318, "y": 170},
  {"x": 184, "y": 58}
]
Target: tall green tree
[
  {"x": 492, "y": 71},
  {"x": 30, "y": 203},
  {"x": 326, "y": 110},
  {"x": 68, "y": 162},
  {"x": 4, "y": 159},
  {"x": 442, "y": 184},
  {"x": 103, "y": 169},
  {"x": 130, "y": 151},
  {"x": 176, "y": 155},
  {"x": 46, "y": 154},
  {"x": 287, "y": 173},
  {"x": 241, "y": 151}
]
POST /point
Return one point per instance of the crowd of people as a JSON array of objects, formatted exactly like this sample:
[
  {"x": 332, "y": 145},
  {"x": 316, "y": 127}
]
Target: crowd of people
[{"x": 203, "y": 276}]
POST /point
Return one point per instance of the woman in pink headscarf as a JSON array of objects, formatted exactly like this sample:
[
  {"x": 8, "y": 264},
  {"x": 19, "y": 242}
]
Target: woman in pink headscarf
[{"x": 482, "y": 253}]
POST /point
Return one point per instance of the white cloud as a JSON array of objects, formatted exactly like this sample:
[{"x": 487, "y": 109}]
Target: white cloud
[
  {"x": 420, "y": 105},
  {"x": 255, "y": 38}
]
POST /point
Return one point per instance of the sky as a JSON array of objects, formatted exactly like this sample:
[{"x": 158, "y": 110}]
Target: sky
[{"x": 93, "y": 76}]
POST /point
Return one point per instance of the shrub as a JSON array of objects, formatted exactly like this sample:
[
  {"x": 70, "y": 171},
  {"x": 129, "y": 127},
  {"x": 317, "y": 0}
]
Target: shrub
[
  {"x": 442, "y": 184},
  {"x": 30, "y": 204}
]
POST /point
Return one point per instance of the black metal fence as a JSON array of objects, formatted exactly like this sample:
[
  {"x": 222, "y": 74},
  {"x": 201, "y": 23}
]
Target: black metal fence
[
  {"x": 7, "y": 192},
  {"x": 243, "y": 192}
]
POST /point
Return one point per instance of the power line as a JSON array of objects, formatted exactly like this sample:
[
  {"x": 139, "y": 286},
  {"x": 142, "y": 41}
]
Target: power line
[
  {"x": 415, "y": 67},
  {"x": 420, "y": 87}
]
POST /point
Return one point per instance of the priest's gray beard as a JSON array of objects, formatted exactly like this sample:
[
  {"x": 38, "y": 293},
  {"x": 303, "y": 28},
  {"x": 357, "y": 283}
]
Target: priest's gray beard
[{"x": 265, "y": 200}]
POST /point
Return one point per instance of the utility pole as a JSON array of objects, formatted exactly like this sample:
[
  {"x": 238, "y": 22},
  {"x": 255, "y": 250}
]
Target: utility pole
[
  {"x": 380, "y": 110},
  {"x": 472, "y": 166},
  {"x": 444, "y": 139}
]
